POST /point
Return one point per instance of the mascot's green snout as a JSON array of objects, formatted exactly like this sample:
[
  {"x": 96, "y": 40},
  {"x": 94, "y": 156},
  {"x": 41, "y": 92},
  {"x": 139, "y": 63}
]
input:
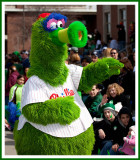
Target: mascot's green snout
[
  {"x": 54, "y": 119},
  {"x": 75, "y": 34}
]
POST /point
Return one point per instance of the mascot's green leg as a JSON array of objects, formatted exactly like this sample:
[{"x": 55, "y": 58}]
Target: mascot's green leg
[{"x": 30, "y": 141}]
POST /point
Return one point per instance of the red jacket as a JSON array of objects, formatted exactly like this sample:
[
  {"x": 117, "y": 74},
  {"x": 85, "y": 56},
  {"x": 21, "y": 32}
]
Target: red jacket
[{"x": 10, "y": 82}]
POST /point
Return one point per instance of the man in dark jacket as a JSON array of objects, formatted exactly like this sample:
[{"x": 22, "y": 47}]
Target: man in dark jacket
[{"x": 93, "y": 101}]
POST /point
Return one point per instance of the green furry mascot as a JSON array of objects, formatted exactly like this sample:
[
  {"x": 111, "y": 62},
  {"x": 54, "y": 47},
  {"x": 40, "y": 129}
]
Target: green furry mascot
[{"x": 54, "y": 119}]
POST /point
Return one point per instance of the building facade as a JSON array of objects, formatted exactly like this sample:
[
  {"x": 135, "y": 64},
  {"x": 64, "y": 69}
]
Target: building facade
[
  {"x": 109, "y": 16},
  {"x": 19, "y": 20}
]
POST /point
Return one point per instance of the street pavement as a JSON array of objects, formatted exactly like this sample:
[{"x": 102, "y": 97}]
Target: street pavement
[{"x": 9, "y": 143}]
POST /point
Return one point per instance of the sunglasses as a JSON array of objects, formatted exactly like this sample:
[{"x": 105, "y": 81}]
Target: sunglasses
[{"x": 113, "y": 52}]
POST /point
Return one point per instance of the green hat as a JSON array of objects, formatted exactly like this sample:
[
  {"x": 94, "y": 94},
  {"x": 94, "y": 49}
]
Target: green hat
[
  {"x": 16, "y": 53},
  {"x": 109, "y": 106}
]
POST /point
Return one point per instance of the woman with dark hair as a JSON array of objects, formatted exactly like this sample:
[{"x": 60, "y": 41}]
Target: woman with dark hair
[
  {"x": 12, "y": 79},
  {"x": 16, "y": 90}
]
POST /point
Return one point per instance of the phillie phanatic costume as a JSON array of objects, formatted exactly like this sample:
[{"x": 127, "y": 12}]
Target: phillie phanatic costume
[{"x": 54, "y": 119}]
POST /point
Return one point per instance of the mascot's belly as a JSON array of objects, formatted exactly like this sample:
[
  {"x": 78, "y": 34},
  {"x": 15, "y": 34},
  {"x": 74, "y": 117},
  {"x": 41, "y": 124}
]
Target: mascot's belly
[{"x": 38, "y": 143}]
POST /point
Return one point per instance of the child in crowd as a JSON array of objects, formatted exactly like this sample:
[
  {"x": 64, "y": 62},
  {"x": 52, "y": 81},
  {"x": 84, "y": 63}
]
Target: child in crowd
[
  {"x": 104, "y": 130},
  {"x": 129, "y": 142},
  {"x": 16, "y": 90},
  {"x": 12, "y": 111},
  {"x": 93, "y": 100},
  {"x": 122, "y": 128}
]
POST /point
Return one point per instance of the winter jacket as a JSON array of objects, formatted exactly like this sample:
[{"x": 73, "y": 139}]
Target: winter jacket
[
  {"x": 18, "y": 93},
  {"x": 122, "y": 130},
  {"x": 10, "y": 82},
  {"x": 108, "y": 128},
  {"x": 92, "y": 105}
]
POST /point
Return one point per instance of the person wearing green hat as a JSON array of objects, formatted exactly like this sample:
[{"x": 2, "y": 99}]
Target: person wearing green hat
[
  {"x": 112, "y": 129},
  {"x": 105, "y": 129}
]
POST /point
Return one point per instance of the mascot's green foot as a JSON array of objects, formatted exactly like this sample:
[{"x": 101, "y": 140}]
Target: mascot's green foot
[{"x": 35, "y": 142}]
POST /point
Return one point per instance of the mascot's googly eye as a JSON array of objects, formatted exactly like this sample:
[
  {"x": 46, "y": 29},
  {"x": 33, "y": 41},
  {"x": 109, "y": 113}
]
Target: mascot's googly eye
[
  {"x": 53, "y": 25},
  {"x": 59, "y": 24}
]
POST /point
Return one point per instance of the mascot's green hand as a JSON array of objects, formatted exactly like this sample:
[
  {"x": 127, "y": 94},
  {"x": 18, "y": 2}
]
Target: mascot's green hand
[
  {"x": 68, "y": 109},
  {"x": 99, "y": 71},
  {"x": 62, "y": 110},
  {"x": 114, "y": 66}
]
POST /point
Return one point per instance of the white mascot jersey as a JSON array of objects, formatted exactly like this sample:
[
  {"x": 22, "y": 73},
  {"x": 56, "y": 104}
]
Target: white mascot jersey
[{"x": 36, "y": 91}]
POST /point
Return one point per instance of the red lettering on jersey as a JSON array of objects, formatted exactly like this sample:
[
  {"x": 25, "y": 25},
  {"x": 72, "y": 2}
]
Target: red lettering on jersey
[{"x": 54, "y": 96}]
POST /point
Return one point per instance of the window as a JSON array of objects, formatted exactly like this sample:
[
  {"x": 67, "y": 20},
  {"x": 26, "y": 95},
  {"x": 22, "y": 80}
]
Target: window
[
  {"x": 107, "y": 26},
  {"x": 123, "y": 17}
]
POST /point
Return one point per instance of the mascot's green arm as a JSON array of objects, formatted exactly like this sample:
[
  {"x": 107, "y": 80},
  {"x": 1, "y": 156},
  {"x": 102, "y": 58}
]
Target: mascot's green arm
[
  {"x": 62, "y": 110},
  {"x": 97, "y": 72}
]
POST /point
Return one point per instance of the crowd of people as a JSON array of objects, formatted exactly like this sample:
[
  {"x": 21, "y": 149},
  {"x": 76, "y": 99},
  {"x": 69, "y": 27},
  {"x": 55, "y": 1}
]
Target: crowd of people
[{"x": 111, "y": 104}]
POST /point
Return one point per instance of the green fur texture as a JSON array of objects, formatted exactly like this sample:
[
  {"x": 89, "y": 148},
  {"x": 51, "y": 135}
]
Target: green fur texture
[
  {"x": 46, "y": 58},
  {"x": 73, "y": 30},
  {"x": 99, "y": 71},
  {"x": 60, "y": 110},
  {"x": 39, "y": 143}
]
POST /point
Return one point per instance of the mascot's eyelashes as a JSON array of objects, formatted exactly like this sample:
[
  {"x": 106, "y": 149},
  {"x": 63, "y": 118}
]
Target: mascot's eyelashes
[
  {"x": 54, "y": 21},
  {"x": 53, "y": 24}
]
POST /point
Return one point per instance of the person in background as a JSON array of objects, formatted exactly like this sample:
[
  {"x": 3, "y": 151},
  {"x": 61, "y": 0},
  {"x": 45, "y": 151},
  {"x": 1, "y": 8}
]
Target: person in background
[
  {"x": 25, "y": 59},
  {"x": 113, "y": 43},
  {"x": 17, "y": 63},
  {"x": 94, "y": 56},
  {"x": 8, "y": 60},
  {"x": 25, "y": 74},
  {"x": 93, "y": 101},
  {"x": 103, "y": 50},
  {"x": 12, "y": 79},
  {"x": 85, "y": 61},
  {"x": 114, "y": 53},
  {"x": 121, "y": 36},
  {"x": 75, "y": 59},
  {"x": 106, "y": 53},
  {"x": 122, "y": 55},
  {"x": 72, "y": 50}
]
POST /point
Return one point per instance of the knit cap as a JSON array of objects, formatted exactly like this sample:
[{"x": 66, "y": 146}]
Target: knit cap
[{"x": 108, "y": 106}]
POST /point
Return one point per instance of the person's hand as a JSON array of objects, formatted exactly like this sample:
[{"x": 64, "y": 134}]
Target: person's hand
[
  {"x": 101, "y": 134},
  {"x": 125, "y": 139},
  {"x": 115, "y": 147},
  {"x": 104, "y": 99}
]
